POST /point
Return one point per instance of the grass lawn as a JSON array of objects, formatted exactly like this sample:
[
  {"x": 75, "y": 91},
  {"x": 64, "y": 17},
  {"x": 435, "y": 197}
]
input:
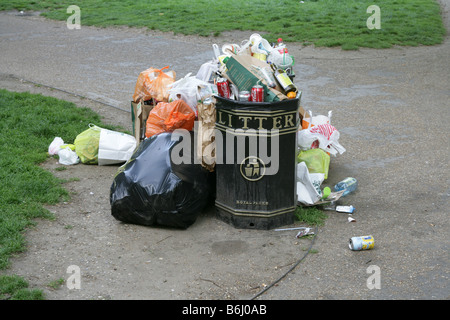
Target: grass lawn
[
  {"x": 330, "y": 23},
  {"x": 28, "y": 124}
]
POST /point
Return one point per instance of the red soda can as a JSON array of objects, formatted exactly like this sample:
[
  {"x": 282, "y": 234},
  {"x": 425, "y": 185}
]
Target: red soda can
[
  {"x": 257, "y": 94},
  {"x": 223, "y": 88}
]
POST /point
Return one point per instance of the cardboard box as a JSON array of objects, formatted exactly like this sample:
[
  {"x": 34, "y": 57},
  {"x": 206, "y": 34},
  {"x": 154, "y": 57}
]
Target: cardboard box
[
  {"x": 139, "y": 115},
  {"x": 242, "y": 74}
]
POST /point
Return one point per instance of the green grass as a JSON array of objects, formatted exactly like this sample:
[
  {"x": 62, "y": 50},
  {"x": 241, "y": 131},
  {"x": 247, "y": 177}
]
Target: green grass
[
  {"x": 28, "y": 124},
  {"x": 56, "y": 284},
  {"x": 311, "y": 216},
  {"x": 16, "y": 288},
  {"x": 330, "y": 23}
]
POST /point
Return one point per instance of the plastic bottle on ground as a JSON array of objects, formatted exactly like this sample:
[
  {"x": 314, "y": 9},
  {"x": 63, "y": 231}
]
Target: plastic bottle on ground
[{"x": 349, "y": 184}]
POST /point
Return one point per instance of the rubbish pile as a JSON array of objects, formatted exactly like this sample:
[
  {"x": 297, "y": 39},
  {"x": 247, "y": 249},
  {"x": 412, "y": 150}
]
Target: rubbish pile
[
  {"x": 317, "y": 141},
  {"x": 169, "y": 175},
  {"x": 95, "y": 145},
  {"x": 253, "y": 72}
]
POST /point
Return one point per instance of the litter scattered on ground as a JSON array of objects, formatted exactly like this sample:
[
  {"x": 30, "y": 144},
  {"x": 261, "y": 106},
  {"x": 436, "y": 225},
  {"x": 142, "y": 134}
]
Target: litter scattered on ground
[
  {"x": 250, "y": 73},
  {"x": 361, "y": 243}
]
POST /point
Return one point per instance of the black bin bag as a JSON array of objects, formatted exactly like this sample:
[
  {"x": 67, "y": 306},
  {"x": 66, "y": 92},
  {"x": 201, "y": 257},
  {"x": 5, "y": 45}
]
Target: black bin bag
[{"x": 151, "y": 190}]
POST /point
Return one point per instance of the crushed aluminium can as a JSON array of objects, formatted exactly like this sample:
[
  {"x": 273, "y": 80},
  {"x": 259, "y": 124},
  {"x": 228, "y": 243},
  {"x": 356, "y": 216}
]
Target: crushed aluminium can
[
  {"x": 244, "y": 96},
  {"x": 361, "y": 243}
]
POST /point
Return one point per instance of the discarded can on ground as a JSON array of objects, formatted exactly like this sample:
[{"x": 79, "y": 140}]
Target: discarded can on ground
[
  {"x": 223, "y": 88},
  {"x": 257, "y": 94},
  {"x": 361, "y": 243},
  {"x": 244, "y": 96}
]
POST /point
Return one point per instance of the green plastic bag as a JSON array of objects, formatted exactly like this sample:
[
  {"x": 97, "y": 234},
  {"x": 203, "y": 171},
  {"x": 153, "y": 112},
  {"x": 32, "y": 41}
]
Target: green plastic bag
[
  {"x": 86, "y": 145},
  {"x": 317, "y": 161}
]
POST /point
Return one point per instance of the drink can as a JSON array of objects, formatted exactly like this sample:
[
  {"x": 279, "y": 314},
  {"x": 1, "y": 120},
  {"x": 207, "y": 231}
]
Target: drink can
[
  {"x": 244, "y": 96},
  {"x": 257, "y": 94},
  {"x": 361, "y": 243},
  {"x": 223, "y": 88}
]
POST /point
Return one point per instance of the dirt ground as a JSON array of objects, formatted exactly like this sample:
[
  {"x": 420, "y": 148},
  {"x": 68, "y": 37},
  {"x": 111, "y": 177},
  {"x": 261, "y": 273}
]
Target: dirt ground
[{"x": 390, "y": 106}]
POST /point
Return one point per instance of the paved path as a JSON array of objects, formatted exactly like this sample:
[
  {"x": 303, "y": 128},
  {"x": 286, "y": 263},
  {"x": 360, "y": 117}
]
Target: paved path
[{"x": 391, "y": 108}]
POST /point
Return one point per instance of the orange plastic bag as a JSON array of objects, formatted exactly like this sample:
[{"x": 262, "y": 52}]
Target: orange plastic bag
[
  {"x": 153, "y": 83},
  {"x": 168, "y": 116}
]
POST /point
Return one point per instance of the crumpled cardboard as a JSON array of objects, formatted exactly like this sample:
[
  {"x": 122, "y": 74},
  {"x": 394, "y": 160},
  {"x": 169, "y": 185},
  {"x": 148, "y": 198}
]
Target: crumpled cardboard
[{"x": 244, "y": 76}]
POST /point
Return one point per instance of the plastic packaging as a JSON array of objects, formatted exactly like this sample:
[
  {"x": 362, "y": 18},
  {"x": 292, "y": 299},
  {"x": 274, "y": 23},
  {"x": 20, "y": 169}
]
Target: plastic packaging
[
  {"x": 346, "y": 209},
  {"x": 153, "y": 83},
  {"x": 101, "y": 146},
  {"x": 281, "y": 47},
  {"x": 308, "y": 185},
  {"x": 207, "y": 71},
  {"x": 55, "y": 146},
  {"x": 260, "y": 45},
  {"x": 152, "y": 190},
  {"x": 349, "y": 184},
  {"x": 316, "y": 120},
  {"x": 115, "y": 147},
  {"x": 317, "y": 161},
  {"x": 323, "y": 136},
  {"x": 281, "y": 60},
  {"x": 187, "y": 89},
  {"x": 68, "y": 157},
  {"x": 168, "y": 116},
  {"x": 86, "y": 144},
  {"x": 267, "y": 75}
]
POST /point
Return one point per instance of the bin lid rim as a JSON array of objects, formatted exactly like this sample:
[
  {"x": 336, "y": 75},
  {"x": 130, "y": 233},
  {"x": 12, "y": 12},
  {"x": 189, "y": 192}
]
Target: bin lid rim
[{"x": 258, "y": 104}]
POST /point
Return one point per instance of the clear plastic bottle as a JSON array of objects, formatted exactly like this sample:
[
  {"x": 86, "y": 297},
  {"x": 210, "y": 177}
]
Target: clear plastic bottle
[
  {"x": 349, "y": 184},
  {"x": 281, "y": 47}
]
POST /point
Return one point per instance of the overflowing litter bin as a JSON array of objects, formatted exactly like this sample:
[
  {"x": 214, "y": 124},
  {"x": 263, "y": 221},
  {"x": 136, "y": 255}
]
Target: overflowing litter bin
[
  {"x": 255, "y": 162},
  {"x": 250, "y": 133}
]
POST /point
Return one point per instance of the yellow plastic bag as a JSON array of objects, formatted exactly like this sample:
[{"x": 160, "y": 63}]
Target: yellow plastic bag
[
  {"x": 86, "y": 145},
  {"x": 317, "y": 161}
]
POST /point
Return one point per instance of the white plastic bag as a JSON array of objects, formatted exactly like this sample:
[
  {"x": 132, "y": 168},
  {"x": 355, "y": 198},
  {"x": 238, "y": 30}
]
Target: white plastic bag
[
  {"x": 187, "y": 89},
  {"x": 323, "y": 136},
  {"x": 316, "y": 120},
  {"x": 115, "y": 147},
  {"x": 207, "y": 70},
  {"x": 68, "y": 157},
  {"x": 55, "y": 146},
  {"x": 308, "y": 185}
]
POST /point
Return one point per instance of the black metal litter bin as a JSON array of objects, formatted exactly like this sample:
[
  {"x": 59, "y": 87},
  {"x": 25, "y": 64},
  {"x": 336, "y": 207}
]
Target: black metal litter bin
[{"x": 256, "y": 147}]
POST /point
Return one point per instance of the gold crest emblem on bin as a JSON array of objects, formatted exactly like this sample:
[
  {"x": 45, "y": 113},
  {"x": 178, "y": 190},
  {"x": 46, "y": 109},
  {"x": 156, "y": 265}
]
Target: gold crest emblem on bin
[{"x": 253, "y": 168}]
